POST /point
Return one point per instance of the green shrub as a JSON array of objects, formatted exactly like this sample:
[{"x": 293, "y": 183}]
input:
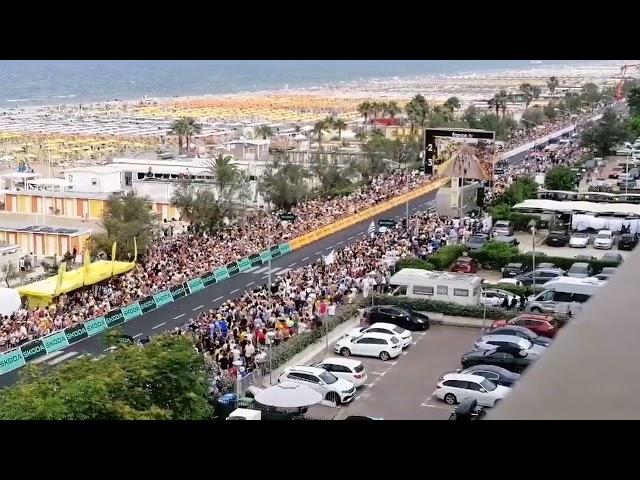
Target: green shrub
[
  {"x": 446, "y": 308},
  {"x": 414, "y": 263},
  {"x": 495, "y": 254},
  {"x": 445, "y": 256}
]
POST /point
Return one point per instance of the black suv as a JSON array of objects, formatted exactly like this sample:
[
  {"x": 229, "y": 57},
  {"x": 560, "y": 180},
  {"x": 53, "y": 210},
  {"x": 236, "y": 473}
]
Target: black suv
[
  {"x": 557, "y": 239},
  {"x": 627, "y": 242},
  {"x": 513, "y": 269},
  {"x": 401, "y": 317}
]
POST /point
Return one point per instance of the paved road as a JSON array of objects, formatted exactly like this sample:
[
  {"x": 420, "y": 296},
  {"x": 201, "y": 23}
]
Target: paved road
[
  {"x": 402, "y": 389},
  {"x": 176, "y": 314}
]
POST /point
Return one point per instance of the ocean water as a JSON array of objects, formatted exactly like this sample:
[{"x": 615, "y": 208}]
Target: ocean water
[{"x": 46, "y": 82}]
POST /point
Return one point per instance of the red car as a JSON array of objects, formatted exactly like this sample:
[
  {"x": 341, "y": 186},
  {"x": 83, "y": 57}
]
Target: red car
[
  {"x": 544, "y": 325},
  {"x": 465, "y": 265}
]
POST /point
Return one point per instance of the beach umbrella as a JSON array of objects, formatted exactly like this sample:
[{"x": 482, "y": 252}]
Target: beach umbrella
[{"x": 288, "y": 395}]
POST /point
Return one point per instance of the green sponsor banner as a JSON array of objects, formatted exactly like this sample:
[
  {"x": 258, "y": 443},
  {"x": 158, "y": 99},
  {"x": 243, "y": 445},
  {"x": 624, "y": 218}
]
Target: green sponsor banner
[
  {"x": 195, "y": 285},
  {"x": 244, "y": 264},
  {"x": 265, "y": 255},
  {"x": 113, "y": 318},
  {"x": 386, "y": 222},
  {"x": 163, "y": 298},
  {"x": 75, "y": 334},
  {"x": 147, "y": 304},
  {"x": 208, "y": 279},
  {"x": 221, "y": 273},
  {"x": 33, "y": 350},
  {"x": 289, "y": 217},
  {"x": 285, "y": 248},
  {"x": 11, "y": 360},
  {"x": 55, "y": 341},
  {"x": 95, "y": 326},
  {"x": 131, "y": 311}
]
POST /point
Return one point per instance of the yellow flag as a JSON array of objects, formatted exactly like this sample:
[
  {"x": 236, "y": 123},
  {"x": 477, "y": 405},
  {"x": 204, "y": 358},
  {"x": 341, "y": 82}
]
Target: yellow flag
[
  {"x": 86, "y": 257},
  {"x": 135, "y": 250},
  {"x": 113, "y": 256},
  {"x": 61, "y": 269}
]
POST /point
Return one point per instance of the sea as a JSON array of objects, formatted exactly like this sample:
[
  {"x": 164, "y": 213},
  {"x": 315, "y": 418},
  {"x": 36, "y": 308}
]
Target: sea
[{"x": 49, "y": 82}]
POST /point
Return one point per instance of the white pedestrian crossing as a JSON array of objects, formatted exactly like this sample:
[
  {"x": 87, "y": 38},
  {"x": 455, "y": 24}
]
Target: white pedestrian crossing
[
  {"x": 283, "y": 271},
  {"x": 265, "y": 270},
  {"x": 48, "y": 357},
  {"x": 64, "y": 357},
  {"x": 251, "y": 270}
]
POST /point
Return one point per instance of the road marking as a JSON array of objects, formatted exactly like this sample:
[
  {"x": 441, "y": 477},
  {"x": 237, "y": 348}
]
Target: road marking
[
  {"x": 284, "y": 270},
  {"x": 216, "y": 299},
  {"x": 63, "y": 358},
  {"x": 289, "y": 266},
  {"x": 262, "y": 270},
  {"x": 252, "y": 269},
  {"x": 329, "y": 247},
  {"x": 159, "y": 325},
  {"x": 305, "y": 259},
  {"x": 392, "y": 363},
  {"x": 439, "y": 407},
  {"x": 137, "y": 335},
  {"x": 319, "y": 252},
  {"x": 249, "y": 284},
  {"x": 363, "y": 233},
  {"x": 382, "y": 374},
  {"x": 234, "y": 291},
  {"x": 48, "y": 357},
  {"x": 179, "y": 316},
  {"x": 350, "y": 238},
  {"x": 339, "y": 243},
  {"x": 197, "y": 308}
]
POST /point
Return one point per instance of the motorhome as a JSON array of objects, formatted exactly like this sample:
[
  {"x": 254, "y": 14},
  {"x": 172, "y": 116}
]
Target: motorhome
[
  {"x": 460, "y": 288},
  {"x": 562, "y": 292}
]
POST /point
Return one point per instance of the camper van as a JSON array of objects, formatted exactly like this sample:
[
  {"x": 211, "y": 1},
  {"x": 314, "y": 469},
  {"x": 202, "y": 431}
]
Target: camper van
[
  {"x": 460, "y": 288},
  {"x": 560, "y": 293}
]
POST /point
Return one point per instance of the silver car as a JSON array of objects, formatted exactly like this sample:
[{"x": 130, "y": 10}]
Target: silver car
[
  {"x": 503, "y": 228},
  {"x": 508, "y": 342}
]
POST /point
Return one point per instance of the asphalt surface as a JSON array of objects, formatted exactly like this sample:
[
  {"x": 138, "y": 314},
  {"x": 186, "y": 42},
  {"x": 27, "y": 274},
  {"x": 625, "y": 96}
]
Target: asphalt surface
[
  {"x": 402, "y": 389},
  {"x": 179, "y": 312}
]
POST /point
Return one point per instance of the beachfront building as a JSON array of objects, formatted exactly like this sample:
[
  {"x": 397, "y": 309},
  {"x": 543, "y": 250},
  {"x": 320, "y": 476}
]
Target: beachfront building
[
  {"x": 248, "y": 150},
  {"x": 42, "y": 241},
  {"x": 403, "y": 132}
]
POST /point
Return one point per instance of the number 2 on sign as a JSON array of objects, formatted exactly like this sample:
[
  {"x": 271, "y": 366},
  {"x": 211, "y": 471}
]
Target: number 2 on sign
[{"x": 430, "y": 147}]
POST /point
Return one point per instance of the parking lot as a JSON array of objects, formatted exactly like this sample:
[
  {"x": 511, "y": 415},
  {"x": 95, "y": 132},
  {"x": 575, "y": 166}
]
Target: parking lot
[
  {"x": 402, "y": 389},
  {"x": 569, "y": 252}
]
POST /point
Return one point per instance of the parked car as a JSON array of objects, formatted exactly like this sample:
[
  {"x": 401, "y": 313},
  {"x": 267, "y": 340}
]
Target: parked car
[
  {"x": 512, "y": 241},
  {"x": 627, "y": 241},
  {"x": 465, "y": 265},
  {"x": 379, "y": 345},
  {"x": 503, "y": 228},
  {"x": 544, "y": 325},
  {"x": 476, "y": 242},
  {"x": 493, "y": 297},
  {"x": 580, "y": 270},
  {"x": 523, "y": 332},
  {"x": 586, "y": 258},
  {"x": 541, "y": 275},
  {"x": 612, "y": 257},
  {"x": 403, "y": 317},
  {"x": 538, "y": 254},
  {"x": 604, "y": 239},
  {"x": 579, "y": 240},
  {"x": 513, "y": 363},
  {"x": 456, "y": 387},
  {"x": 513, "y": 269},
  {"x": 557, "y": 238},
  {"x": 509, "y": 282},
  {"x": 507, "y": 343},
  {"x": 616, "y": 171},
  {"x": 331, "y": 387},
  {"x": 345, "y": 368},
  {"x": 497, "y": 375},
  {"x": 546, "y": 265},
  {"x": 388, "y": 328}
]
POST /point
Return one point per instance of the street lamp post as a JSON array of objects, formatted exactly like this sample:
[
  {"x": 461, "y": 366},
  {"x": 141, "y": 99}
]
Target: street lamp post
[
  {"x": 268, "y": 248},
  {"x": 532, "y": 226},
  {"x": 270, "y": 336}
]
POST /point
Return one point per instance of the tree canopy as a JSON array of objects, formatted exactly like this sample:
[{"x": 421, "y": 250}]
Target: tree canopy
[
  {"x": 284, "y": 183},
  {"x": 560, "y": 178},
  {"x": 184, "y": 127},
  {"x": 602, "y": 137},
  {"x": 164, "y": 380}
]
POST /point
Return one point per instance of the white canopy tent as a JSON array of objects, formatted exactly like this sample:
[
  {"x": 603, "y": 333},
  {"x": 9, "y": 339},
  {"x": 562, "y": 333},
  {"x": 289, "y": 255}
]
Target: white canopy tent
[
  {"x": 288, "y": 395},
  {"x": 9, "y": 300}
]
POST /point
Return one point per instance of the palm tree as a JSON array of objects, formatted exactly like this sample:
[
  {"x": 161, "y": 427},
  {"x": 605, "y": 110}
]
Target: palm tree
[
  {"x": 224, "y": 170},
  {"x": 184, "y": 127},
  {"x": 392, "y": 109},
  {"x": 552, "y": 84},
  {"x": 452, "y": 103},
  {"x": 319, "y": 128},
  {"x": 527, "y": 91},
  {"x": 536, "y": 90},
  {"x": 365, "y": 110},
  {"x": 417, "y": 110},
  {"x": 377, "y": 108},
  {"x": 340, "y": 124},
  {"x": 265, "y": 131}
]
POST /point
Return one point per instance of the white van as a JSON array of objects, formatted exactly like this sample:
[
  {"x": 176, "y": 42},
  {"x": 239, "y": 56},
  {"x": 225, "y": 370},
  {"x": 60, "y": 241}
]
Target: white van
[
  {"x": 461, "y": 288},
  {"x": 562, "y": 292}
]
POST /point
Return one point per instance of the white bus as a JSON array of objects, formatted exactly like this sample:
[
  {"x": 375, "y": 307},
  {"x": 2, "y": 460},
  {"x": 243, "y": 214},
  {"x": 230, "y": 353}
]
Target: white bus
[{"x": 461, "y": 288}]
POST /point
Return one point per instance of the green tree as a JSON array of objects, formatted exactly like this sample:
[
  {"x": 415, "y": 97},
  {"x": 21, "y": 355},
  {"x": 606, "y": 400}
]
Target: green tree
[
  {"x": 319, "y": 128},
  {"x": 332, "y": 176},
  {"x": 265, "y": 131},
  {"x": 498, "y": 253},
  {"x": 417, "y": 110},
  {"x": 602, "y": 137},
  {"x": 165, "y": 380},
  {"x": 125, "y": 216},
  {"x": 452, "y": 104},
  {"x": 284, "y": 184},
  {"x": 550, "y": 111},
  {"x": 527, "y": 92},
  {"x": 365, "y": 110},
  {"x": 552, "y": 84},
  {"x": 633, "y": 101},
  {"x": 392, "y": 109},
  {"x": 377, "y": 108},
  {"x": 560, "y": 178},
  {"x": 9, "y": 271},
  {"x": 470, "y": 116},
  {"x": 519, "y": 191},
  {"x": 591, "y": 93},
  {"x": 339, "y": 124},
  {"x": 536, "y": 91},
  {"x": 184, "y": 127},
  {"x": 375, "y": 150},
  {"x": 198, "y": 205},
  {"x": 533, "y": 115},
  {"x": 634, "y": 126}
]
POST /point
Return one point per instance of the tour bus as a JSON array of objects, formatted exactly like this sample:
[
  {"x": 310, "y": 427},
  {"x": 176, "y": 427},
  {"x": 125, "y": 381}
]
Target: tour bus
[
  {"x": 460, "y": 288},
  {"x": 562, "y": 292}
]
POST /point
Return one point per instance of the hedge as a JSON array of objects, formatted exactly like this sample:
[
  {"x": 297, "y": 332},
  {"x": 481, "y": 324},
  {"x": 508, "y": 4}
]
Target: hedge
[
  {"x": 445, "y": 256},
  {"x": 414, "y": 263},
  {"x": 560, "y": 262}
]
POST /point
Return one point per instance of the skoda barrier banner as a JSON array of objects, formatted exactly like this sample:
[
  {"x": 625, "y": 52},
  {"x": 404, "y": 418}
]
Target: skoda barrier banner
[
  {"x": 195, "y": 285},
  {"x": 33, "y": 350},
  {"x": 75, "y": 334},
  {"x": 95, "y": 326},
  {"x": 163, "y": 298},
  {"x": 275, "y": 252},
  {"x": 11, "y": 360},
  {"x": 255, "y": 260},
  {"x": 114, "y": 318},
  {"x": 221, "y": 274},
  {"x": 147, "y": 304},
  {"x": 284, "y": 248},
  {"x": 55, "y": 341},
  {"x": 131, "y": 311},
  {"x": 209, "y": 279},
  {"x": 265, "y": 255},
  {"x": 178, "y": 291},
  {"x": 233, "y": 269},
  {"x": 244, "y": 264}
]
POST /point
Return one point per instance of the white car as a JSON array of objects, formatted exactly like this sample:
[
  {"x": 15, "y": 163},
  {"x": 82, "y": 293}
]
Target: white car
[
  {"x": 493, "y": 297},
  {"x": 455, "y": 387},
  {"x": 509, "y": 342},
  {"x": 579, "y": 240},
  {"x": 332, "y": 388},
  {"x": 379, "y": 345},
  {"x": 604, "y": 239},
  {"x": 388, "y": 328},
  {"x": 345, "y": 368}
]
